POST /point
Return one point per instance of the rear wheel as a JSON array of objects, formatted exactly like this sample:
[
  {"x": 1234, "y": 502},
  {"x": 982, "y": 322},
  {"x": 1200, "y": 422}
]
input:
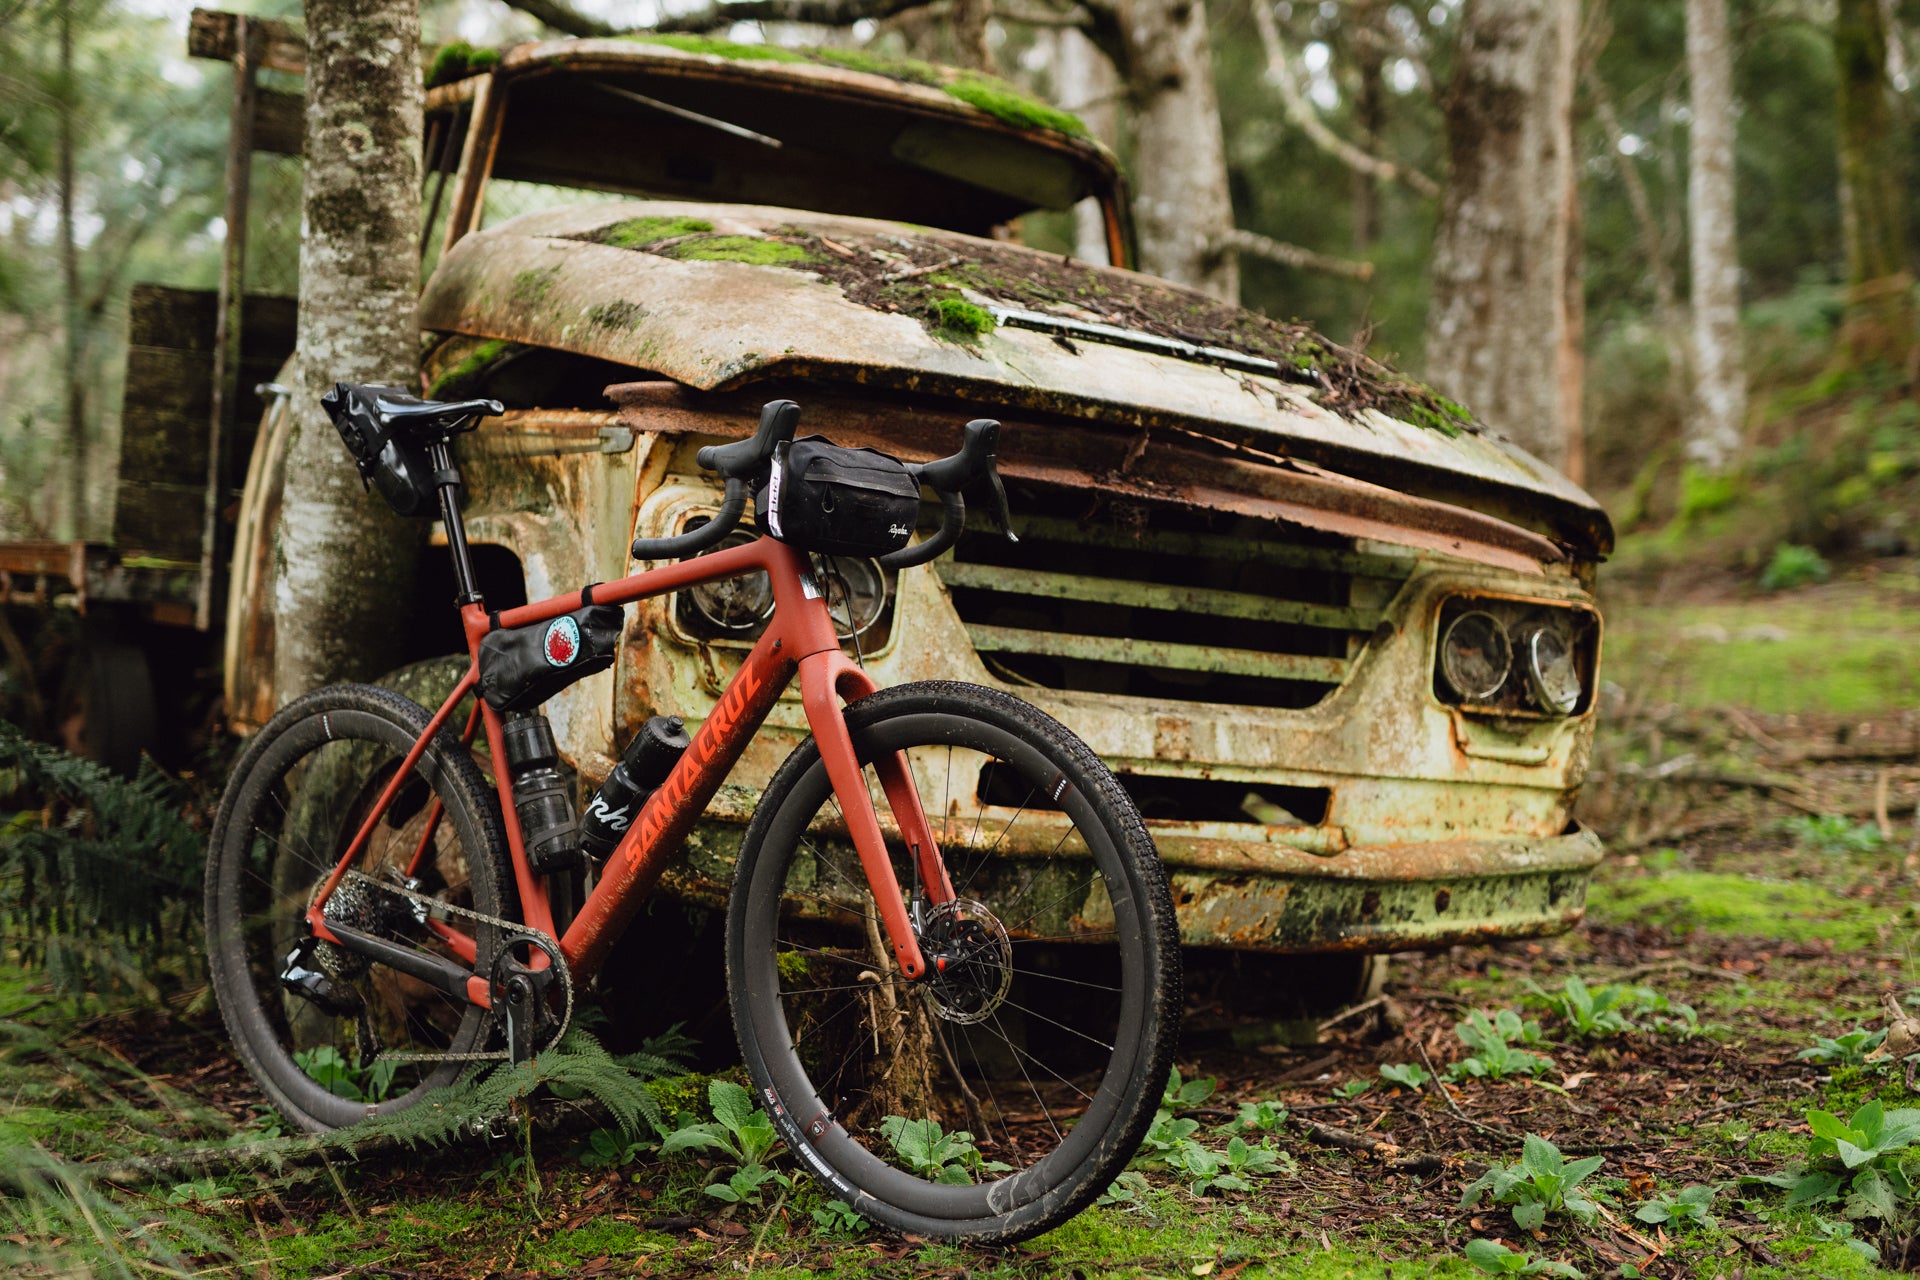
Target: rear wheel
[
  {"x": 295, "y": 801},
  {"x": 999, "y": 1098}
]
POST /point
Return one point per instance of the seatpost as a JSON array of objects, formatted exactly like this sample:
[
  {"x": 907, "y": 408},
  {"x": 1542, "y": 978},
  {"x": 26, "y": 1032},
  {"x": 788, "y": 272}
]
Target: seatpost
[{"x": 446, "y": 477}]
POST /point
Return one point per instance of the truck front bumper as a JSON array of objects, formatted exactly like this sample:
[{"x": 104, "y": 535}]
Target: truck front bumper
[{"x": 1407, "y": 897}]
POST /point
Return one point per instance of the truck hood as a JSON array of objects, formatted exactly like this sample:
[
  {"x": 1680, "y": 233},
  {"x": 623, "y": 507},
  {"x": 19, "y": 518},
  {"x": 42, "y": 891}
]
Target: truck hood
[{"x": 717, "y": 297}]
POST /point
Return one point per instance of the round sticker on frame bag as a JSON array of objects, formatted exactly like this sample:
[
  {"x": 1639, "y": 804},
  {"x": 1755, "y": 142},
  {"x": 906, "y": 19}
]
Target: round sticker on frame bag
[{"x": 562, "y": 642}]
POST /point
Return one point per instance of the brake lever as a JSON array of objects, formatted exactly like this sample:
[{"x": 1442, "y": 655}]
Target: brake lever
[{"x": 1000, "y": 508}]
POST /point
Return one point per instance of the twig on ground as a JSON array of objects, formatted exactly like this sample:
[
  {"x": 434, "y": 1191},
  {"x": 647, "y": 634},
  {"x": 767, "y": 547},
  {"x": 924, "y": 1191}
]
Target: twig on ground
[
  {"x": 1505, "y": 1134},
  {"x": 1689, "y": 966},
  {"x": 914, "y": 273}
]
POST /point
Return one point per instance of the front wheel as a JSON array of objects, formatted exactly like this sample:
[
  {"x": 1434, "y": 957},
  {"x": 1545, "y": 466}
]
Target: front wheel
[{"x": 999, "y": 1098}]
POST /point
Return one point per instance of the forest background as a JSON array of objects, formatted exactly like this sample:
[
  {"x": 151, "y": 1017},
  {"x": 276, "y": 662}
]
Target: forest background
[{"x": 1338, "y": 122}]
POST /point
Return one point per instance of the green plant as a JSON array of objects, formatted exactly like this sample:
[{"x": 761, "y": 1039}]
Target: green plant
[
  {"x": 1493, "y": 1057},
  {"x": 1406, "y": 1075},
  {"x": 199, "y": 1191},
  {"x": 348, "y": 1079},
  {"x": 1352, "y": 1089},
  {"x": 1541, "y": 1182},
  {"x": 1495, "y": 1259},
  {"x": 1181, "y": 1095},
  {"x": 837, "y": 1218},
  {"x": 1128, "y": 1188},
  {"x": 1693, "y": 1204},
  {"x": 1167, "y": 1132},
  {"x": 1834, "y": 833},
  {"x": 741, "y": 1132},
  {"x": 1594, "y": 1014},
  {"x": 99, "y": 875},
  {"x": 1859, "y": 1163},
  {"x": 1265, "y": 1117},
  {"x": 942, "y": 1157},
  {"x": 1848, "y": 1050},
  {"x": 1227, "y": 1170},
  {"x": 610, "y": 1149},
  {"x": 1793, "y": 566}
]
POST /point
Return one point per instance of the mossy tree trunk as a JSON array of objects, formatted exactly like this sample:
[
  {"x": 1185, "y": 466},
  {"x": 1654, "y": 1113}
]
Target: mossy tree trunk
[
  {"x": 1880, "y": 321},
  {"x": 1713, "y": 429},
  {"x": 1182, "y": 210},
  {"x": 343, "y": 576},
  {"x": 1500, "y": 333}
]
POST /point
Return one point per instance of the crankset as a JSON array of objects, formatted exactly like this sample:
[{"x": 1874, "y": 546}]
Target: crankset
[{"x": 522, "y": 998}]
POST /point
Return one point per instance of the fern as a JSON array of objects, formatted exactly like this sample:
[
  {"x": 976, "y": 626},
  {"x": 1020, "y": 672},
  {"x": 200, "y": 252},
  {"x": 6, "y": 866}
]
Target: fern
[
  {"x": 578, "y": 1063},
  {"x": 93, "y": 867}
]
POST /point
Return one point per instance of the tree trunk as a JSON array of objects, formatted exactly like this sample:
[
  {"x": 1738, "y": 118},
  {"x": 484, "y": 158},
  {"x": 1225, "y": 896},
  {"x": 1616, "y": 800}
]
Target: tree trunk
[
  {"x": 1085, "y": 84},
  {"x": 344, "y": 570},
  {"x": 1713, "y": 430},
  {"x": 970, "y": 19},
  {"x": 1880, "y": 323},
  {"x": 1369, "y": 115},
  {"x": 1182, "y": 210},
  {"x": 1498, "y": 329},
  {"x": 75, "y": 385}
]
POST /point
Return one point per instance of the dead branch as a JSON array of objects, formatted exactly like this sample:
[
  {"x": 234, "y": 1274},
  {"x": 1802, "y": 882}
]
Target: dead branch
[
  {"x": 1366, "y": 1144},
  {"x": 1035, "y": 17},
  {"x": 1300, "y": 111},
  {"x": 717, "y": 14},
  {"x": 562, "y": 16},
  {"x": 1293, "y": 255}
]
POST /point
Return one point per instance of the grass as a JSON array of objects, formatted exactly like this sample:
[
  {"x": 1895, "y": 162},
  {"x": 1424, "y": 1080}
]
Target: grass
[{"x": 1843, "y": 648}]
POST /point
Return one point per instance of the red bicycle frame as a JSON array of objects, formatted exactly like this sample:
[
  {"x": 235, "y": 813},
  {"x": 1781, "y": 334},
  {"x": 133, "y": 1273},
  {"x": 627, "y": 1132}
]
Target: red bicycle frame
[{"x": 800, "y": 638}]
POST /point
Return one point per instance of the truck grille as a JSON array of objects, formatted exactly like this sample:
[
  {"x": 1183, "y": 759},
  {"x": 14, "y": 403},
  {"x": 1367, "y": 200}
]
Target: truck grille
[{"x": 1238, "y": 612}]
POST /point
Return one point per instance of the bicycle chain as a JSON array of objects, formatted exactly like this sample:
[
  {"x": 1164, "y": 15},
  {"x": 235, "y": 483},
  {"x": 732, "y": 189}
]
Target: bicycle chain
[{"x": 516, "y": 933}]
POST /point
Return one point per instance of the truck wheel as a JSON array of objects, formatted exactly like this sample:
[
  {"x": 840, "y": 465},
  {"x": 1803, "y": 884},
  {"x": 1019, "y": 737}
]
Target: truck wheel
[{"x": 107, "y": 705}]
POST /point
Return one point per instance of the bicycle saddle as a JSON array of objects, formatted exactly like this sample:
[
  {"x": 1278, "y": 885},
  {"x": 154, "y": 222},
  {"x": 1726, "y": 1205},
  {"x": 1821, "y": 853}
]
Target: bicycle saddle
[{"x": 419, "y": 418}]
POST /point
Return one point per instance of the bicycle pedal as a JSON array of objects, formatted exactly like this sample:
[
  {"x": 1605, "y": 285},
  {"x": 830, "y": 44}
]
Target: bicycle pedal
[{"x": 303, "y": 977}]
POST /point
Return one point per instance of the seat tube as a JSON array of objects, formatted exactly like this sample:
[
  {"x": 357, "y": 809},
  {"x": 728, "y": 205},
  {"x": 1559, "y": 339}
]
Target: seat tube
[{"x": 821, "y": 675}]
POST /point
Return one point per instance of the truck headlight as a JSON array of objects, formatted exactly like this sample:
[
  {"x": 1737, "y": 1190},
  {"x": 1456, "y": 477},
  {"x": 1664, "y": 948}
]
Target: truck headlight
[
  {"x": 738, "y": 607},
  {"x": 1553, "y": 674},
  {"x": 1475, "y": 655}
]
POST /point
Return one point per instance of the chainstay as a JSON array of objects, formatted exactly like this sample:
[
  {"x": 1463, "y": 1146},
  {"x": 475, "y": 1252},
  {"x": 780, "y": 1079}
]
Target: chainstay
[{"x": 536, "y": 937}]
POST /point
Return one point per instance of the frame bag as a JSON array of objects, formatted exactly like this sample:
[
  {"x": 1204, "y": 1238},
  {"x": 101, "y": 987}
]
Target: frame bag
[
  {"x": 842, "y": 502},
  {"x": 522, "y": 667}
]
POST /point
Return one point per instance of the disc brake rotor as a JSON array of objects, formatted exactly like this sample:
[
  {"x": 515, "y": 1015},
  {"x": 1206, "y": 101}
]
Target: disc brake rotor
[{"x": 970, "y": 958}]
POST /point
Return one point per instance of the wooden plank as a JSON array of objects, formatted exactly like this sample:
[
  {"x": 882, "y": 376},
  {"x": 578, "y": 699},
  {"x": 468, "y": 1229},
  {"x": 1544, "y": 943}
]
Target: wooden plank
[
  {"x": 1155, "y": 595},
  {"x": 279, "y": 123},
  {"x": 214, "y": 33},
  {"x": 1157, "y": 653},
  {"x": 183, "y": 319},
  {"x": 161, "y": 521}
]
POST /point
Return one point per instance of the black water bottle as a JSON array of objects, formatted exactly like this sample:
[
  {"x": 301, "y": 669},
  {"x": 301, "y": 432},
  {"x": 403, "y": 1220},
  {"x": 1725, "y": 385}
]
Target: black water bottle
[
  {"x": 649, "y": 759},
  {"x": 541, "y": 796}
]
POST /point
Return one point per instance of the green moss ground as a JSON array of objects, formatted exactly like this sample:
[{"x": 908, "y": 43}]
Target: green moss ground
[{"x": 1844, "y": 648}]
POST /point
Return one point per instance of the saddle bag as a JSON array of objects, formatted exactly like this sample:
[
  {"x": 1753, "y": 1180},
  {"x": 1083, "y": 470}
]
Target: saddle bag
[
  {"x": 521, "y": 667},
  {"x": 837, "y": 501},
  {"x": 394, "y": 465}
]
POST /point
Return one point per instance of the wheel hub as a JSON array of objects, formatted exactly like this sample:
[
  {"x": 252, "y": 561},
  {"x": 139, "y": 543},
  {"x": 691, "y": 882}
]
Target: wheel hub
[{"x": 969, "y": 960}]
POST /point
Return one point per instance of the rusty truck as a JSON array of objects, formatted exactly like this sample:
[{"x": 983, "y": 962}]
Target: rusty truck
[{"x": 1338, "y": 640}]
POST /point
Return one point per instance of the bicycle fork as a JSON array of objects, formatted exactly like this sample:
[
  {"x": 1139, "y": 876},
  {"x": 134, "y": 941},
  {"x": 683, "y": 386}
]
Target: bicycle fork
[{"x": 825, "y": 679}]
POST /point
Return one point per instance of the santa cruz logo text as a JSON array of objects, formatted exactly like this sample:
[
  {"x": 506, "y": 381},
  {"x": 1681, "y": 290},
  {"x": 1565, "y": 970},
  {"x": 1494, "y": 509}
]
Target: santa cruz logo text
[{"x": 562, "y": 644}]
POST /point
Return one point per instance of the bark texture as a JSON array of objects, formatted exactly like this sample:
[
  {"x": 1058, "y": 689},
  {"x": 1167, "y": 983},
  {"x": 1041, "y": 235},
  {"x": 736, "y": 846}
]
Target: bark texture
[
  {"x": 1880, "y": 321},
  {"x": 343, "y": 571},
  {"x": 1499, "y": 333},
  {"x": 1714, "y": 428},
  {"x": 1085, "y": 84},
  {"x": 1182, "y": 209}
]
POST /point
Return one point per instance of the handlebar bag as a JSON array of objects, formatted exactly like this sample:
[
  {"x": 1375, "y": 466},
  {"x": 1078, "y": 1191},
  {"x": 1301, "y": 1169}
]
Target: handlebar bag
[
  {"x": 842, "y": 502},
  {"x": 521, "y": 667}
]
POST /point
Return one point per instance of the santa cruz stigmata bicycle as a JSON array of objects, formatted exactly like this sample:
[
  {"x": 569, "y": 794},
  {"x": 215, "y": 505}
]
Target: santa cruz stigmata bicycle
[{"x": 946, "y": 917}]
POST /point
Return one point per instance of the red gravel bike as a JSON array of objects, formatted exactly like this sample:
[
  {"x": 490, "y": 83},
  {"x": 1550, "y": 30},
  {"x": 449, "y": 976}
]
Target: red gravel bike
[{"x": 951, "y": 953}]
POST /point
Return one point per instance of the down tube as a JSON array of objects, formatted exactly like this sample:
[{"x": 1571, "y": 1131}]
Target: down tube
[{"x": 670, "y": 813}]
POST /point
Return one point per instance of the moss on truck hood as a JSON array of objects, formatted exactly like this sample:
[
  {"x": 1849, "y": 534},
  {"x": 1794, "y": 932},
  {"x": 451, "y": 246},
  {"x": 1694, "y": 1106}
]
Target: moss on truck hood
[{"x": 720, "y": 296}]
